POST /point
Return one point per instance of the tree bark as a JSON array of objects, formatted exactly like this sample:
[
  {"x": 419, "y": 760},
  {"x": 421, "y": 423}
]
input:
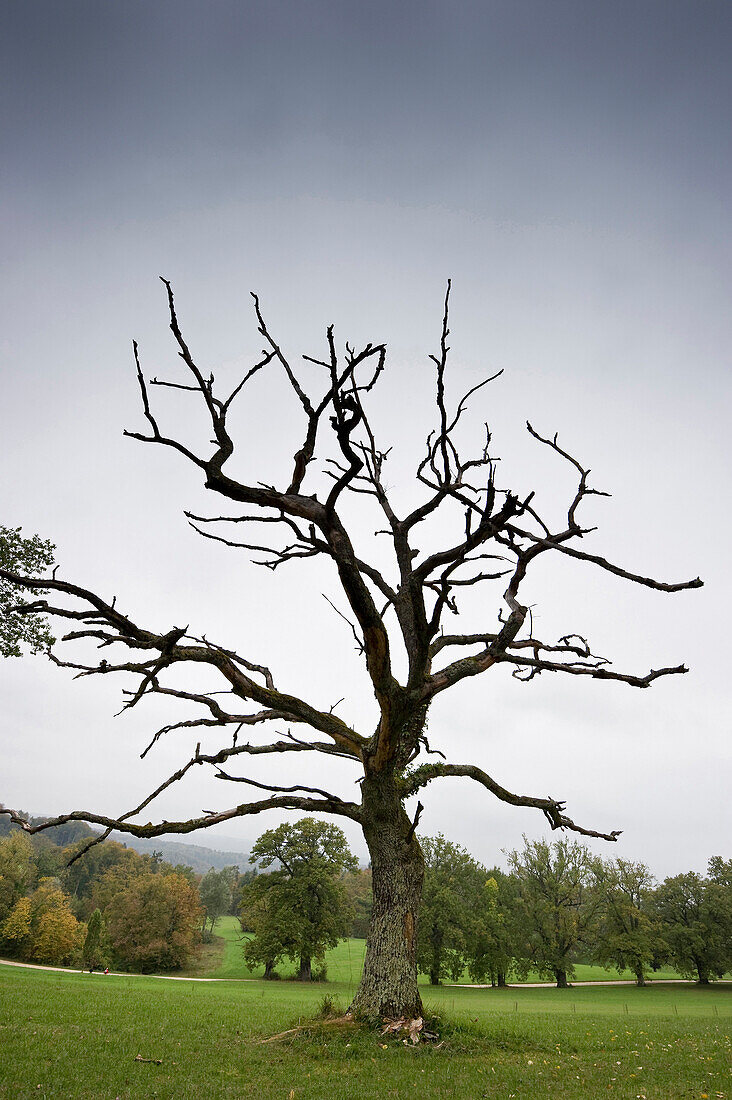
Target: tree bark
[
  {"x": 269, "y": 970},
  {"x": 388, "y": 984},
  {"x": 305, "y": 973},
  {"x": 501, "y": 980}
]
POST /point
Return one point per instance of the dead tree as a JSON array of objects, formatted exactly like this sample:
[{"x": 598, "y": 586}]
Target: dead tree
[{"x": 490, "y": 535}]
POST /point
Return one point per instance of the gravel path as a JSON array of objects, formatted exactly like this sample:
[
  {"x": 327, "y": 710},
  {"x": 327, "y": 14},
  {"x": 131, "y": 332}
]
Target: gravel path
[{"x": 182, "y": 978}]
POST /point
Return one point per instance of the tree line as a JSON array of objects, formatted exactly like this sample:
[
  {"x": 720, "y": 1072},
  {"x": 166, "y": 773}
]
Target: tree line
[
  {"x": 110, "y": 907},
  {"x": 556, "y": 905}
]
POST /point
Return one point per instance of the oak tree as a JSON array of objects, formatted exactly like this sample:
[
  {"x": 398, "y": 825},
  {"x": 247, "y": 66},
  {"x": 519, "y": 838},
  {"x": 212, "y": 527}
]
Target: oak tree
[
  {"x": 629, "y": 933},
  {"x": 451, "y": 911},
  {"x": 696, "y": 916},
  {"x": 558, "y": 905},
  {"x": 464, "y": 531},
  {"x": 300, "y": 907}
]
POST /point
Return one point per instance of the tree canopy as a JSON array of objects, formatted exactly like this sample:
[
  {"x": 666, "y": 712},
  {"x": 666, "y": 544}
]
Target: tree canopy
[
  {"x": 301, "y": 907},
  {"x": 30, "y": 556}
]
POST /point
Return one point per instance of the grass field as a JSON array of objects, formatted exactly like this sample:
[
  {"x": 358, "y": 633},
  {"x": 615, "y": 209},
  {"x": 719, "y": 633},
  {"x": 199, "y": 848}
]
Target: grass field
[
  {"x": 344, "y": 962},
  {"x": 77, "y": 1037}
]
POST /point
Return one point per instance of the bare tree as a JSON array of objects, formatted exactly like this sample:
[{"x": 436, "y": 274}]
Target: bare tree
[{"x": 490, "y": 535}]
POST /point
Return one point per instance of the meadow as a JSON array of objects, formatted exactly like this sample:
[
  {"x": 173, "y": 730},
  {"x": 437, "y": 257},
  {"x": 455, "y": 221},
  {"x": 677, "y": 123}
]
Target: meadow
[
  {"x": 82, "y": 1037},
  {"x": 344, "y": 963}
]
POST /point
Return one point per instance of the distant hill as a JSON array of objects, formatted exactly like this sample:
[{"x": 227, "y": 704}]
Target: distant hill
[
  {"x": 200, "y": 858},
  {"x": 190, "y": 855}
]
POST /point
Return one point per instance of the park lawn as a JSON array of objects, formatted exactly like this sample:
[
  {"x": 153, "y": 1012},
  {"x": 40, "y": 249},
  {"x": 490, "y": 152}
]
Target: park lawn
[
  {"x": 77, "y": 1036},
  {"x": 345, "y": 962}
]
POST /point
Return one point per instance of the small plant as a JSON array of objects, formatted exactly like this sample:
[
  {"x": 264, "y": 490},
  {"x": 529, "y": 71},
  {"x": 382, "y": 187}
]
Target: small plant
[{"x": 329, "y": 1007}]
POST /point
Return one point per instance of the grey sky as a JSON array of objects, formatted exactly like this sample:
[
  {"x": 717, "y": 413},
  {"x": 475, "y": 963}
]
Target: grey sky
[{"x": 568, "y": 165}]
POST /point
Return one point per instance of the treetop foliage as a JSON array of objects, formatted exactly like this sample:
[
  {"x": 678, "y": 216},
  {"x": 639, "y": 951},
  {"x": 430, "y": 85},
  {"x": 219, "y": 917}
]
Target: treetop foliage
[{"x": 29, "y": 557}]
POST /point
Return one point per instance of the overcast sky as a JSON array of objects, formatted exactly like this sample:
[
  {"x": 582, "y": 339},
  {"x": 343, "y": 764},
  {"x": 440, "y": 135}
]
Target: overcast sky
[{"x": 567, "y": 164}]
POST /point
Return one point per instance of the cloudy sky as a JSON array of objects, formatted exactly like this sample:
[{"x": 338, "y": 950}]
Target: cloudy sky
[{"x": 567, "y": 164}]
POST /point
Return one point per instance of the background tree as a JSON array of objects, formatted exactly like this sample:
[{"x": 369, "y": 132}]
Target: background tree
[
  {"x": 451, "y": 911},
  {"x": 17, "y": 870},
  {"x": 357, "y": 885},
  {"x": 93, "y": 954},
  {"x": 461, "y": 530},
  {"x": 56, "y": 937},
  {"x": 558, "y": 904},
  {"x": 31, "y": 557},
  {"x": 269, "y": 924},
  {"x": 720, "y": 871},
  {"x": 696, "y": 914},
  {"x": 15, "y": 930},
  {"x": 492, "y": 948},
  {"x": 307, "y": 908},
  {"x": 629, "y": 934},
  {"x": 215, "y": 891},
  {"x": 154, "y": 924}
]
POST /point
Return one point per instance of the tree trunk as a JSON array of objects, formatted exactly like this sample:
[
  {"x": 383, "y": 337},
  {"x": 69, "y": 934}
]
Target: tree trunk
[
  {"x": 388, "y": 984},
  {"x": 501, "y": 980},
  {"x": 639, "y": 976},
  {"x": 561, "y": 976},
  {"x": 269, "y": 970},
  {"x": 305, "y": 973}
]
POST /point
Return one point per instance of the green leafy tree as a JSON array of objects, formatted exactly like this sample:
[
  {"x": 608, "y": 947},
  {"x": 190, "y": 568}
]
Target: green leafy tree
[
  {"x": 28, "y": 557},
  {"x": 558, "y": 904},
  {"x": 452, "y": 906},
  {"x": 492, "y": 947},
  {"x": 720, "y": 871},
  {"x": 696, "y": 914},
  {"x": 84, "y": 877},
  {"x": 94, "y": 955},
  {"x": 154, "y": 924},
  {"x": 357, "y": 885},
  {"x": 17, "y": 869},
  {"x": 628, "y": 934},
  {"x": 300, "y": 908},
  {"x": 452, "y": 530},
  {"x": 215, "y": 890},
  {"x": 48, "y": 857}
]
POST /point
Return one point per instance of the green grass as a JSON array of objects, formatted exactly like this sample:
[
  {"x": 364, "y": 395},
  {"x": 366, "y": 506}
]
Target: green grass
[
  {"x": 76, "y": 1037},
  {"x": 345, "y": 962}
]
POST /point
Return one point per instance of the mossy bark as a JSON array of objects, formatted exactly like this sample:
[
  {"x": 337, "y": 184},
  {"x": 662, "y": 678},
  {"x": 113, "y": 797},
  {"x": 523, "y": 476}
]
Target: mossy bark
[{"x": 389, "y": 981}]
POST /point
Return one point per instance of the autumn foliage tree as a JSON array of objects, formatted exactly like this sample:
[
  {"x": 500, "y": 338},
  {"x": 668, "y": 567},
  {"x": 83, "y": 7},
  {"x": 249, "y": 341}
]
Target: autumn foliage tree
[
  {"x": 465, "y": 530},
  {"x": 155, "y": 923}
]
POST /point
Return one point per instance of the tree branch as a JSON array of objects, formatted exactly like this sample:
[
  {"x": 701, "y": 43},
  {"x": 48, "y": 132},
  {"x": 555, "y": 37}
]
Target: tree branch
[{"x": 551, "y": 808}]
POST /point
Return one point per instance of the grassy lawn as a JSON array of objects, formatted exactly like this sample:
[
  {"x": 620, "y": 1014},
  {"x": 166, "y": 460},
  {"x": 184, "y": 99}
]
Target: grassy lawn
[
  {"x": 344, "y": 962},
  {"x": 67, "y": 1035}
]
